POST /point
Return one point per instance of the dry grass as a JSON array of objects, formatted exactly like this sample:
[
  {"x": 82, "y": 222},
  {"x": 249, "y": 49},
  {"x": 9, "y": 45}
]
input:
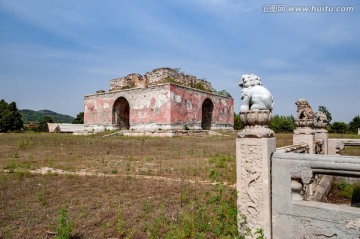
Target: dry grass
[
  {"x": 177, "y": 157},
  {"x": 344, "y": 136},
  {"x": 29, "y": 204},
  {"x": 283, "y": 139}
]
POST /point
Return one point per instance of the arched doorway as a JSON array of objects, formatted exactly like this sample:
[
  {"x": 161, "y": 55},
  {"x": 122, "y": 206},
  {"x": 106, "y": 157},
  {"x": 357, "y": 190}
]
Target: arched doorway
[
  {"x": 121, "y": 113},
  {"x": 207, "y": 111}
]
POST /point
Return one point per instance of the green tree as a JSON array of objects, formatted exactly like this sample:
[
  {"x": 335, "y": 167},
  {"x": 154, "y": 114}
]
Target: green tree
[
  {"x": 43, "y": 127},
  {"x": 79, "y": 119},
  {"x": 354, "y": 124},
  {"x": 238, "y": 125},
  {"x": 282, "y": 124},
  {"x": 326, "y": 112},
  {"x": 10, "y": 118},
  {"x": 338, "y": 128}
]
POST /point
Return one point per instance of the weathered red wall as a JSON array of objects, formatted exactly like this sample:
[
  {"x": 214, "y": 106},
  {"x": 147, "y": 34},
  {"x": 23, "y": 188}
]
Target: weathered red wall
[
  {"x": 98, "y": 110},
  {"x": 147, "y": 105},
  {"x": 164, "y": 106},
  {"x": 186, "y": 107}
]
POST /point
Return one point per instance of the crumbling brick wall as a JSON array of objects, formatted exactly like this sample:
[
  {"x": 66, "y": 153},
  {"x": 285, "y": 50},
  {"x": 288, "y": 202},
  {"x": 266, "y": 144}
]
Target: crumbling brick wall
[{"x": 158, "y": 76}]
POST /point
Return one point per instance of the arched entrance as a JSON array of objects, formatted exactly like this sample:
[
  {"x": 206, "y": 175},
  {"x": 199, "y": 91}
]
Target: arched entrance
[
  {"x": 207, "y": 111},
  {"x": 121, "y": 113}
]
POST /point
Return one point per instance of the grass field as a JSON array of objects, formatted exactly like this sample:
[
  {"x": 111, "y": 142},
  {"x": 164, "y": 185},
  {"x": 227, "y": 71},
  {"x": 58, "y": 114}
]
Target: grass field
[{"x": 120, "y": 187}]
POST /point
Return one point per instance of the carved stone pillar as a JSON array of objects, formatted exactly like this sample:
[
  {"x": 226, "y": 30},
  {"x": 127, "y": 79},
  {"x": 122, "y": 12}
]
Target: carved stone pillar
[{"x": 254, "y": 147}]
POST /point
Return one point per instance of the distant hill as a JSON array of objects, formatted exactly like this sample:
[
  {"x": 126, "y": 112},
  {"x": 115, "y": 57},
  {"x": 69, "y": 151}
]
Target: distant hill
[{"x": 36, "y": 116}]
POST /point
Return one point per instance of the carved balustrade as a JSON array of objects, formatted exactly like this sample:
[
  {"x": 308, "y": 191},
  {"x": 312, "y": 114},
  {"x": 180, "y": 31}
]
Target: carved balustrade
[{"x": 296, "y": 218}]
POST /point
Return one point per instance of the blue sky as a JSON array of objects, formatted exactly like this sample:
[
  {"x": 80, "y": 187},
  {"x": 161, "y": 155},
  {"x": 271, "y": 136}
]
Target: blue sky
[{"x": 53, "y": 53}]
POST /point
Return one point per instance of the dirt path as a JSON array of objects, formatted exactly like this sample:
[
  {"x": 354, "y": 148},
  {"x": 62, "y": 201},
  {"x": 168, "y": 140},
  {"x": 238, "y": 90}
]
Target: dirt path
[{"x": 85, "y": 172}]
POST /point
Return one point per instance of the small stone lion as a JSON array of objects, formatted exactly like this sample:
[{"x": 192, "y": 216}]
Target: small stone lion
[
  {"x": 320, "y": 120},
  {"x": 254, "y": 95},
  {"x": 304, "y": 110}
]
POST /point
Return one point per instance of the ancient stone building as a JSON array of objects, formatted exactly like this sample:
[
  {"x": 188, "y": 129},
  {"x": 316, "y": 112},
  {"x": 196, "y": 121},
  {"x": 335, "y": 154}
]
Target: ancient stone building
[{"x": 163, "y": 99}]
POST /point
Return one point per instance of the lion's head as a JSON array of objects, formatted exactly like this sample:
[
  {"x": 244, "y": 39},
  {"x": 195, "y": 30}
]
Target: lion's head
[{"x": 248, "y": 81}]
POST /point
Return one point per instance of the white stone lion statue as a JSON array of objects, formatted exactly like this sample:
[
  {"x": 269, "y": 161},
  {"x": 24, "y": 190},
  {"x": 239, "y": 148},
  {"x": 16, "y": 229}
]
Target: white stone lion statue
[{"x": 254, "y": 95}]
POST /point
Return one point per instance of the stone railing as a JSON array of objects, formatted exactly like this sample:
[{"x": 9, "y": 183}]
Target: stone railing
[
  {"x": 336, "y": 145},
  {"x": 295, "y": 148},
  {"x": 293, "y": 217},
  {"x": 320, "y": 186}
]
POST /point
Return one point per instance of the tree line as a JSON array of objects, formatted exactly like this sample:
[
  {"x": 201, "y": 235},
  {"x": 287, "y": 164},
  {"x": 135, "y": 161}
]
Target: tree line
[
  {"x": 11, "y": 119},
  {"x": 32, "y": 116}
]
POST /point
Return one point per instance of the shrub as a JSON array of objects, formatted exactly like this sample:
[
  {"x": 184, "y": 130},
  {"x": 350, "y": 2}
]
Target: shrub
[
  {"x": 346, "y": 189},
  {"x": 171, "y": 80},
  {"x": 64, "y": 227}
]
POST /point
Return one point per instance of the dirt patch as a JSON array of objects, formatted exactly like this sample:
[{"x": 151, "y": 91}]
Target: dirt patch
[{"x": 88, "y": 172}]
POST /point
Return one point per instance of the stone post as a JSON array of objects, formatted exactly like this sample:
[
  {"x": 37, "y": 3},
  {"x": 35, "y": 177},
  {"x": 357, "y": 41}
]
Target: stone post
[
  {"x": 254, "y": 147},
  {"x": 305, "y": 135},
  {"x": 322, "y": 134},
  {"x": 310, "y": 128},
  {"x": 304, "y": 122},
  {"x": 334, "y": 146}
]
